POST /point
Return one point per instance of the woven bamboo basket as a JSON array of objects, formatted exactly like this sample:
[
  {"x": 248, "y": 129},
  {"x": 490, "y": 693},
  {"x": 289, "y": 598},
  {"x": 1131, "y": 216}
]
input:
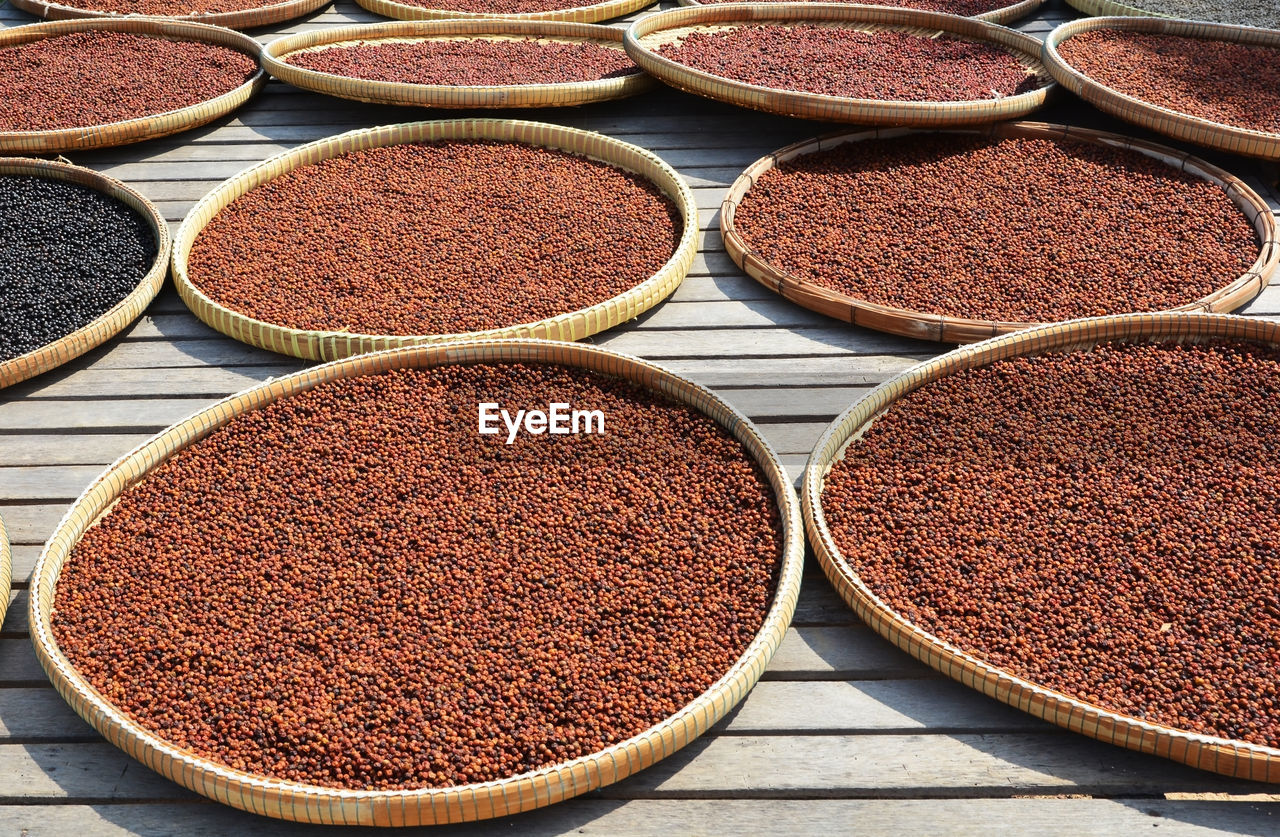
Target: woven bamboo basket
[
  {"x": 327, "y": 345},
  {"x": 588, "y": 12},
  {"x": 276, "y": 53},
  {"x": 123, "y": 312},
  {"x": 145, "y": 127},
  {"x": 306, "y": 803},
  {"x": 265, "y": 15},
  {"x": 946, "y": 329},
  {"x": 1162, "y": 120},
  {"x": 6, "y": 570},
  {"x": 1002, "y": 16},
  {"x": 1101, "y": 8},
  {"x": 648, "y": 34},
  {"x": 1230, "y": 757}
]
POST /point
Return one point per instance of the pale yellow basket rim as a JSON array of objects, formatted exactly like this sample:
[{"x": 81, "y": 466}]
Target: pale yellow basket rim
[
  {"x": 948, "y": 328},
  {"x": 1155, "y": 25},
  {"x": 670, "y": 71},
  {"x": 1222, "y": 755},
  {"x": 586, "y": 13},
  {"x": 264, "y": 15},
  {"x": 6, "y": 570},
  {"x": 115, "y": 319},
  {"x": 142, "y": 127},
  {"x": 462, "y": 802},
  {"x": 1002, "y": 15},
  {"x": 275, "y": 57},
  {"x": 324, "y": 345}
]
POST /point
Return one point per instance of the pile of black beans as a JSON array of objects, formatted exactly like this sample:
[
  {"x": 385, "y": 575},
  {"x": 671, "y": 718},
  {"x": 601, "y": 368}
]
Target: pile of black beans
[{"x": 67, "y": 255}]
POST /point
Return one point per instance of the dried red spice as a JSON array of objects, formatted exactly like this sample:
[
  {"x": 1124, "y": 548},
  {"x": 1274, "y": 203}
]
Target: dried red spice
[
  {"x": 470, "y": 62},
  {"x": 99, "y": 77},
  {"x": 964, "y": 8},
  {"x": 839, "y": 61},
  {"x": 1102, "y": 523},
  {"x": 1233, "y": 84},
  {"x": 353, "y": 588},
  {"x": 1014, "y": 230},
  {"x": 436, "y": 238}
]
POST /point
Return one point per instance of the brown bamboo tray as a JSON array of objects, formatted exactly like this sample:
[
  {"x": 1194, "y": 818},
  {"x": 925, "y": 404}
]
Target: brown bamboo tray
[
  {"x": 123, "y": 312},
  {"x": 327, "y": 345},
  {"x": 1002, "y": 16},
  {"x": 1162, "y": 120},
  {"x": 1230, "y": 757},
  {"x": 306, "y": 803},
  {"x": 6, "y": 570},
  {"x": 274, "y": 57},
  {"x": 946, "y": 329},
  {"x": 588, "y": 12},
  {"x": 265, "y": 15},
  {"x": 145, "y": 127},
  {"x": 647, "y": 34}
]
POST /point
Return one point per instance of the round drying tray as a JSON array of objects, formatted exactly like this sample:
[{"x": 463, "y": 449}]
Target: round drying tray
[
  {"x": 145, "y": 127},
  {"x": 326, "y": 345},
  {"x": 1230, "y": 757},
  {"x": 6, "y": 570},
  {"x": 648, "y": 34},
  {"x": 1100, "y": 8},
  {"x": 1162, "y": 120},
  {"x": 276, "y": 53},
  {"x": 123, "y": 312},
  {"x": 307, "y": 803},
  {"x": 1003, "y": 15},
  {"x": 265, "y": 15},
  {"x": 925, "y": 326},
  {"x": 586, "y": 13}
]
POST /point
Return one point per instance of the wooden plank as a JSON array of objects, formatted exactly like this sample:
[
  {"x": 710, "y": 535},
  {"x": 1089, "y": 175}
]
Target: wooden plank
[
  {"x": 841, "y": 652},
  {"x": 592, "y": 816},
  {"x": 64, "y": 449},
  {"x": 86, "y": 383},
  {"x": 107, "y": 415},
  {"x": 31, "y": 715},
  {"x": 57, "y": 482}
]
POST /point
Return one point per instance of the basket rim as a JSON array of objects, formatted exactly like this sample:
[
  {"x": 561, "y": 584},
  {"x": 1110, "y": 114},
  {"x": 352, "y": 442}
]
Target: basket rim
[
  {"x": 1016, "y": 10},
  {"x": 1111, "y": 8},
  {"x": 723, "y": 14},
  {"x": 588, "y": 12},
  {"x": 273, "y": 11},
  {"x": 945, "y": 327},
  {"x": 275, "y": 55},
  {"x": 116, "y": 318},
  {"x": 664, "y": 281},
  {"x": 141, "y": 127},
  {"x": 703, "y": 711},
  {"x": 1085, "y": 718},
  {"x": 6, "y": 570},
  {"x": 1068, "y": 76}
]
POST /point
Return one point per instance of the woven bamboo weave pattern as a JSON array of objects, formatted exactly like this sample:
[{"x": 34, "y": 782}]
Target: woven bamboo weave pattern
[
  {"x": 1229, "y": 757},
  {"x": 586, "y": 13},
  {"x": 1162, "y": 120},
  {"x": 6, "y": 570},
  {"x": 646, "y": 35},
  {"x": 264, "y": 15},
  {"x": 425, "y": 806},
  {"x": 925, "y": 326},
  {"x": 1003, "y": 16},
  {"x": 123, "y": 312},
  {"x": 146, "y": 127},
  {"x": 276, "y": 53},
  {"x": 328, "y": 345}
]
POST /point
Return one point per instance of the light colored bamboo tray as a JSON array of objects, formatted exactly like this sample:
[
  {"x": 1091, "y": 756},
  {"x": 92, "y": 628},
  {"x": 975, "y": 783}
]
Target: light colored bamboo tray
[
  {"x": 119, "y": 315},
  {"x": 588, "y": 12},
  {"x": 274, "y": 57},
  {"x": 925, "y": 326},
  {"x": 267, "y": 14},
  {"x": 1100, "y": 8},
  {"x": 1002, "y": 16},
  {"x": 145, "y": 127},
  {"x": 1162, "y": 120},
  {"x": 327, "y": 345},
  {"x": 647, "y": 34},
  {"x": 6, "y": 570},
  {"x": 289, "y": 800},
  {"x": 1230, "y": 757}
]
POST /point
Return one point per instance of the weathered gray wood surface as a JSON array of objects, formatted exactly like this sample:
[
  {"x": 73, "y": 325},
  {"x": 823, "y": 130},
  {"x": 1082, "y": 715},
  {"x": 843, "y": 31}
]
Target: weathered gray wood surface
[{"x": 845, "y": 734}]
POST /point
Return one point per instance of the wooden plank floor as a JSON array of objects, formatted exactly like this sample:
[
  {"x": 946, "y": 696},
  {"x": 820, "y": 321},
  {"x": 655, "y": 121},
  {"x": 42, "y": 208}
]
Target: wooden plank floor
[{"x": 844, "y": 734}]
